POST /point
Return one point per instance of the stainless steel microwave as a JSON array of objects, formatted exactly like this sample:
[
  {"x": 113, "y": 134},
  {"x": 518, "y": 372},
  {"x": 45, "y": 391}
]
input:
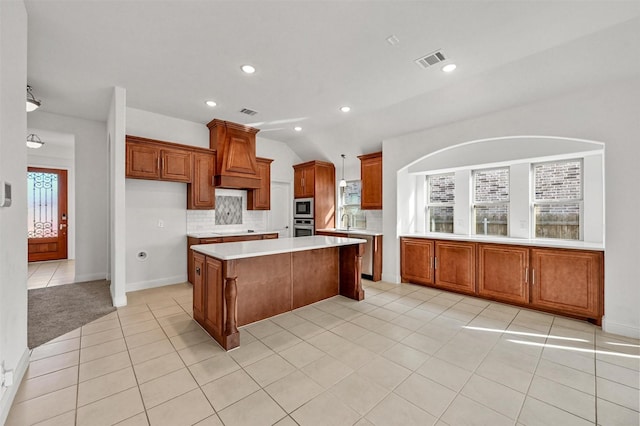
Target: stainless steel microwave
[{"x": 303, "y": 208}]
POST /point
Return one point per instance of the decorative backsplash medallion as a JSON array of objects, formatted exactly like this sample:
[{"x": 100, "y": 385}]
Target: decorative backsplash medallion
[{"x": 228, "y": 210}]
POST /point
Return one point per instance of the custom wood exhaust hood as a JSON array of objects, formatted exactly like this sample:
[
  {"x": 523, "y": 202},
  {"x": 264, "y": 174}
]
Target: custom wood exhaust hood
[{"x": 236, "y": 166}]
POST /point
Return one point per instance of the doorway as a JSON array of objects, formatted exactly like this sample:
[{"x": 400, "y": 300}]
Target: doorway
[
  {"x": 47, "y": 214},
  {"x": 281, "y": 206}
]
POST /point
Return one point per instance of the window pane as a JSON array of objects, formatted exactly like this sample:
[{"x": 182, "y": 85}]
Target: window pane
[
  {"x": 558, "y": 181},
  {"x": 442, "y": 188},
  {"x": 441, "y": 219},
  {"x": 491, "y": 185},
  {"x": 491, "y": 220},
  {"x": 558, "y": 221}
]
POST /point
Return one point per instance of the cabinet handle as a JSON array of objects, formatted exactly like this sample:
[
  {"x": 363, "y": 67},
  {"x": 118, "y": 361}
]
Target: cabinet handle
[
  {"x": 162, "y": 163},
  {"x": 435, "y": 263},
  {"x": 158, "y": 163},
  {"x": 533, "y": 276},
  {"x": 198, "y": 270},
  {"x": 526, "y": 275}
]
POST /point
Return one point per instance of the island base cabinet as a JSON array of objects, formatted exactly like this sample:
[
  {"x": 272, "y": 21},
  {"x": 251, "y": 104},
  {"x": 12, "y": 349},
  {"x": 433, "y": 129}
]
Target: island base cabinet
[
  {"x": 503, "y": 273},
  {"x": 568, "y": 281},
  {"x": 416, "y": 260},
  {"x": 455, "y": 266}
]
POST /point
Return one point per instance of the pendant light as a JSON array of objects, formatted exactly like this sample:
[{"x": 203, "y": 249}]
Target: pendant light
[
  {"x": 32, "y": 102},
  {"x": 343, "y": 182},
  {"x": 33, "y": 141}
]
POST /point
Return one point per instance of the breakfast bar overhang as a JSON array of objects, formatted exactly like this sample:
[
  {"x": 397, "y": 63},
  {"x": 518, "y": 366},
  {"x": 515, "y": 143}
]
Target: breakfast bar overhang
[{"x": 239, "y": 283}]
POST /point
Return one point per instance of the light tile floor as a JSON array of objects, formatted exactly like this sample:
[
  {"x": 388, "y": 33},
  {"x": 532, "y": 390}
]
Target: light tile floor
[
  {"x": 51, "y": 273},
  {"x": 407, "y": 355}
]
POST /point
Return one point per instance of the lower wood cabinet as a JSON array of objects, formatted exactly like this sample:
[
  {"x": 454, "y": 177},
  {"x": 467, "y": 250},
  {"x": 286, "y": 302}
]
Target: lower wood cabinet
[
  {"x": 568, "y": 281},
  {"x": 455, "y": 266},
  {"x": 564, "y": 281},
  {"x": 416, "y": 260},
  {"x": 503, "y": 272}
]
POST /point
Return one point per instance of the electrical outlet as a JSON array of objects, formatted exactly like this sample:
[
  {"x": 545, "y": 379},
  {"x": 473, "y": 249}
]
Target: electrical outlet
[{"x": 160, "y": 223}]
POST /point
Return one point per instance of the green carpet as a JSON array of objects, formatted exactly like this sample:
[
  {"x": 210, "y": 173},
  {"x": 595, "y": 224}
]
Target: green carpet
[{"x": 54, "y": 311}]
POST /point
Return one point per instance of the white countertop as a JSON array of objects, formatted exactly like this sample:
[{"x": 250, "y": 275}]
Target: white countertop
[
  {"x": 539, "y": 242},
  {"x": 352, "y": 231},
  {"x": 228, "y": 234},
  {"x": 244, "y": 249}
]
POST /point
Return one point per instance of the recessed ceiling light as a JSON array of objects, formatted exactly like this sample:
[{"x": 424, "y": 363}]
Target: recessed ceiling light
[
  {"x": 449, "y": 67},
  {"x": 211, "y": 103},
  {"x": 248, "y": 69},
  {"x": 297, "y": 129},
  {"x": 345, "y": 109}
]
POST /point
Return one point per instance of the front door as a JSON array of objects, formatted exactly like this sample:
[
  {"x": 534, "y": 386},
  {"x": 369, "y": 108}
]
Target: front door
[{"x": 47, "y": 214}]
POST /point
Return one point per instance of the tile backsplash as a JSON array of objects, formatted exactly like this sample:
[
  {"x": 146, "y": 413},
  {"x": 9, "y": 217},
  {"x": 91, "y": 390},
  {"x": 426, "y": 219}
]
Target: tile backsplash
[
  {"x": 228, "y": 210},
  {"x": 206, "y": 220}
]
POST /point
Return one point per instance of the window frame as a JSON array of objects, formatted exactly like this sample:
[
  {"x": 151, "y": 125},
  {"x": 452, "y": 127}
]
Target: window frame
[
  {"x": 474, "y": 204},
  {"x": 536, "y": 202},
  {"x": 429, "y": 204}
]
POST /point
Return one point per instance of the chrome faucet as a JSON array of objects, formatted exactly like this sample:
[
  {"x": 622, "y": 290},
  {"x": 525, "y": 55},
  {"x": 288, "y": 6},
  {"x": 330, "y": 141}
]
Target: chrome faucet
[{"x": 348, "y": 220}]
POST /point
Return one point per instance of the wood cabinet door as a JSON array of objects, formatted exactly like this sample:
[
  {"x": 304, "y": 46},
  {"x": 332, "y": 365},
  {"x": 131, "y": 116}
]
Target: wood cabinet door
[
  {"x": 304, "y": 181},
  {"x": 214, "y": 296},
  {"x": 143, "y": 161},
  {"x": 416, "y": 260},
  {"x": 503, "y": 273},
  {"x": 371, "y": 175},
  {"x": 198, "y": 274},
  {"x": 260, "y": 199},
  {"x": 568, "y": 281},
  {"x": 175, "y": 165},
  {"x": 455, "y": 266},
  {"x": 201, "y": 192}
]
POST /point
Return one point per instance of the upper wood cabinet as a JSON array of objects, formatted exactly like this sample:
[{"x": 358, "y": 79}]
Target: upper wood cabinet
[
  {"x": 235, "y": 144},
  {"x": 201, "y": 192},
  {"x": 159, "y": 160},
  {"x": 416, "y": 260},
  {"x": 156, "y": 160},
  {"x": 317, "y": 180},
  {"x": 371, "y": 176},
  {"x": 304, "y": 181},
  {"x": 455, "y": 266},
  {"x": 503, "y": 272},
  {"x": 568, "y": 281},
  {"x": 260, "y": 199}
]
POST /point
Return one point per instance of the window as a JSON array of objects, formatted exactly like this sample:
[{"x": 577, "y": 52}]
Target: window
[
  {"x": 557, "y": 201},
  {"x": 440, "y": 201},
  {"x": 491, "y": 201}
]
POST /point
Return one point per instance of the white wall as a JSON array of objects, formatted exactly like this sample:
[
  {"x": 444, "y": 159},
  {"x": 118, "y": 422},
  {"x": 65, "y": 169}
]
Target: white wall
[
  {"x": 13, "y": 224},
  {"x": 606, "y": 113},
  {"x": 92, "y": 189},
  {"x": 148, "y": 202}
]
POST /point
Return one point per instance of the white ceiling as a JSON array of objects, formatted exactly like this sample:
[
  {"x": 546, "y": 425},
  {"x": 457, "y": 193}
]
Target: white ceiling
[{"x": 314, "y": 56}]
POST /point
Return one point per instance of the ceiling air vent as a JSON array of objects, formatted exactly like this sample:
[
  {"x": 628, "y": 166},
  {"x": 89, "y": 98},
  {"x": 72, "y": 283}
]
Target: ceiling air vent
[
  {"x": 430, "y": 59},
  {"x": 248, "y": 111}
]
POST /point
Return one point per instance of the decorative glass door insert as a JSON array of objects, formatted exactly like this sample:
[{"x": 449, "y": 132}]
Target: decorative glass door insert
[{"x": 47, "y": 218}]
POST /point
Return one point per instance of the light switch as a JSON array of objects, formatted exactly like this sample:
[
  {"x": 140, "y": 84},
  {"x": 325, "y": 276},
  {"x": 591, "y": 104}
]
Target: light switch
[
  {"x": 160, "y": 223},
  {"x": 5, "y": 194}
]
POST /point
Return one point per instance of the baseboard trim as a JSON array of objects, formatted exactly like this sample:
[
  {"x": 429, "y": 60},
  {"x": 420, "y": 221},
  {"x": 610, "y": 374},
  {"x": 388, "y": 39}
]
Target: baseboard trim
[
  {"x": 9, "y": 394},
  {"x": 620, "y": 329},
  {"x": 142, "y": 285},
  {"x": 90, "y": 277}
]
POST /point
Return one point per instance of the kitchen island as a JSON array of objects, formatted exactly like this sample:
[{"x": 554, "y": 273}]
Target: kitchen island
[{"x": 239, "y": 283}]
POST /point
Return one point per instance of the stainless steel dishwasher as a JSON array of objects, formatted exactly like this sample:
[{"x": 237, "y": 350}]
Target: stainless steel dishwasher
[{"x": 367, "y": 258}]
